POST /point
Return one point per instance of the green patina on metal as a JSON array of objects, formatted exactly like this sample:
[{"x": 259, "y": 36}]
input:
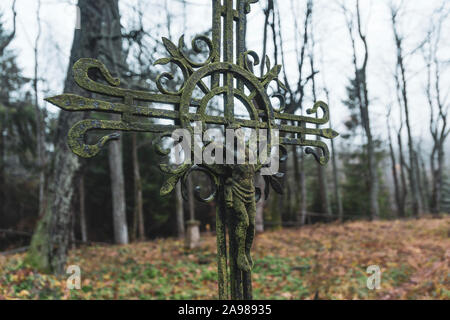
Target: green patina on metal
[{"x": 232, "y": 185}]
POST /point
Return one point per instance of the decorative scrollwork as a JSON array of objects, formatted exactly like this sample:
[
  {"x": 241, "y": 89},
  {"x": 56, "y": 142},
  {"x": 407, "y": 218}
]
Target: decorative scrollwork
[
  {"x": 214, "y": 180},
  {"x": 81, "y": 76},
  {"x": 234, "y": 183},
  {"x": 193, "y": 75},
  {"x": 282, "y": 100},
  {"x": 170, "y": 76},
  {"x": 198, "y": 50},
  {"x": 326, "y": 112},
  {"x": 245, "y": 60}
]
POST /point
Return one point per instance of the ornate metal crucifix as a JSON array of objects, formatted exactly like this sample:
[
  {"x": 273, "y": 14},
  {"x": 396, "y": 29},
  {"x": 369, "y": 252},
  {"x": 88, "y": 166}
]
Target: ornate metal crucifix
[{"x": 228, "y": 73}]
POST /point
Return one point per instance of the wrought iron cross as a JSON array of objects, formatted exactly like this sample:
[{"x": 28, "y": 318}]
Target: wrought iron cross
[{"x": 227, "y": 72}]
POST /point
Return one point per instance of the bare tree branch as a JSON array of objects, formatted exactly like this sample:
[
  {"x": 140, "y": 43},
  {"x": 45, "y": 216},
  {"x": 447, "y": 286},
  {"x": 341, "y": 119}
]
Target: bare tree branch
[{"x": 13, "y": 32}]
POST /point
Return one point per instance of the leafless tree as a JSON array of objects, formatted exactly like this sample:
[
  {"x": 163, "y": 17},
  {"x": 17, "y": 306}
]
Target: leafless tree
[
  {"x": 179, "y": 211},
  {"x": 438, "y": 109},
  {"x": 111, "y": 51},
  {"x": 138, "y": 230},
  {"x": 336, "y": 184},
  {"x": 138, "y": 217},
  {"x": 82, "y": 208},
  {"x": 259, "y": 226},
  {"x": 424, "y": 179},
  {"x": 398, "y": 202},
  {"x": 40, "y": 121},
  {"x": 259, "y": 218},
  {"x": 402, "y": 85},
  {"x": 267, "y": 11},
  {"x": 363, "y": 101},
  {"x": 11, "y": 36},
  {"x": 49, "y": 245},
  {"x": 403, "y": 167},
  {"x": 295, "y": 95},
  {"x": 321, "y": 172}
]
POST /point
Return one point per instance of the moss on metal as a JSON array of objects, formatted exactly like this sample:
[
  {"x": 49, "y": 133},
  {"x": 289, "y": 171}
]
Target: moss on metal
[{"x": 232, "y": 185}]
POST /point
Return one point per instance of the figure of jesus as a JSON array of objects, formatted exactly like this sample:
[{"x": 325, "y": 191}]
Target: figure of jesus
[{"x": 241, "y": 203}]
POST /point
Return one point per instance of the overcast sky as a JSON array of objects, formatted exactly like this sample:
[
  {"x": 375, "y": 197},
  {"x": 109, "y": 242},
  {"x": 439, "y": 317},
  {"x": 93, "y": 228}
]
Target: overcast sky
[{"x": 333, "y": 50}]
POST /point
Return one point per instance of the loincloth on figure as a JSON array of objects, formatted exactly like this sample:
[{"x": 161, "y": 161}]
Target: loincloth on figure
[{"x": 246, "y": 195}]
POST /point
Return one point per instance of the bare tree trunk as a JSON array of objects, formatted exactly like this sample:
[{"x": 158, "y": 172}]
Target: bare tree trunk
[
  {"x": 323, "y": 186},
  {"x": 191, "y": 199},
  {"x": 73, "y": 243},
  {"x": 438, "y": 115},
  {"x": 437, "y": 164},
  {"x": 337, "y": 193},
  {"x": 404, "y": 189},
  {"x": 118, "y": 192},
  {"x": 259, "y": 219},
  {"x": 394, "y": 167},
  {"x": 49, "y": 244},
  {"x": 297, "y": 195},
  {"x": 179, "y": 211},
  {"x": 420, "y": 181},
  {"x": 334, "y": 155},
  {"x": 438, "y": 195},
  {"x": 8, "y": 39},
  {"x": 426, "y": 185},
  {"x": 373, "y": 174},
  {"x": 112, "y": 51},
  {"x": 266, "y": 25},
  {"x": 295, "y": 103},
  {"x": 415, "y": 193},
  {"x": 3, "y": 196},
  {"x": 276, "y": 214},
  {"x": 303, "y": 205},
  {"x": 299, "y": 173},
  {"x": 40, "y": 124},
  {"x": 437, "y": 167},
  {"x": 362, "y": 96},
  {"x": 192, "y": 239},
  {"x": 287, "y": 200},
  {"x": 138, "y": 204},
  {"x": 434, "y": 184},
  {"x": 83, "y": 224}
]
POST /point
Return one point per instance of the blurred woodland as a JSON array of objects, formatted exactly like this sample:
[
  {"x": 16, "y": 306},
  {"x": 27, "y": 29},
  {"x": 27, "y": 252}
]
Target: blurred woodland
[{"x": 52, "y": 201}]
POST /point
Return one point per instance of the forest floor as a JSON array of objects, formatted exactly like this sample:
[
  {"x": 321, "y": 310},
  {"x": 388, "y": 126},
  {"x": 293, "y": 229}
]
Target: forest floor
[{"x": 325, "y": 261}]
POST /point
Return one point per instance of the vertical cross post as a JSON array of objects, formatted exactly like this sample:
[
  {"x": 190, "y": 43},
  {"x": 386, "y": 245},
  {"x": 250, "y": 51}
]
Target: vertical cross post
[{"x": 229, "y": 31}]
